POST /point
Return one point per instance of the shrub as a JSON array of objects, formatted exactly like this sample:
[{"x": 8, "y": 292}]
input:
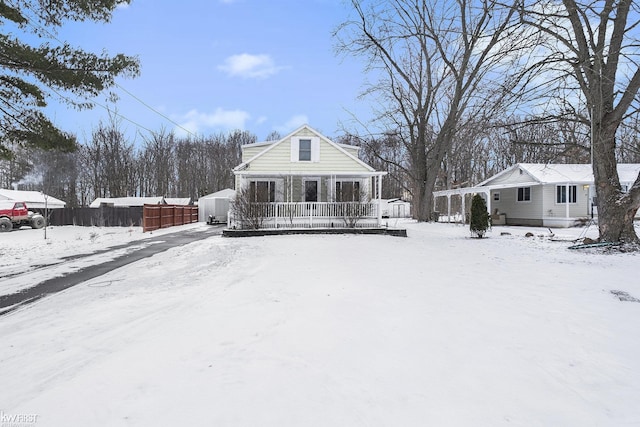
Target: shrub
[{"x": 479, "y": 221}]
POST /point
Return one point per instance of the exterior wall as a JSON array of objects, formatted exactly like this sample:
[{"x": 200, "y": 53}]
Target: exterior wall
[
  {"x": 278, "y": 159},
  {"x": 513, "y": 177},
  {"x": 253, "y": 150},
  {"x": 291, "y": 188},
  {"x": 517, "y": 211},
  {"x": 576, "y": 210}
]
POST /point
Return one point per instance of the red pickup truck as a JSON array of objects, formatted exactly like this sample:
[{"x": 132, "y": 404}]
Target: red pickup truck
[{"x": 15, "y": 215}]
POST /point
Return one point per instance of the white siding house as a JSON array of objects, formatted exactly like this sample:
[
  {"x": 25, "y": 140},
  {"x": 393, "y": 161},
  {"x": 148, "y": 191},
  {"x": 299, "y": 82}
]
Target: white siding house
[
  {"x": 550, "y": 195},
  {"x": 33, "y": 199},
  {"x": 305, "y": 180}
]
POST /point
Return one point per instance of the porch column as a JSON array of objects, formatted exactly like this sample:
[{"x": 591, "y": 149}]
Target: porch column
[
  {"x": 464, "y": 209},
  {"x": 379, "y": 191},
  {"x": 488, "y": 193},
  {"x": 448, "y": 207},
  {"x": 566, "y": 189}
]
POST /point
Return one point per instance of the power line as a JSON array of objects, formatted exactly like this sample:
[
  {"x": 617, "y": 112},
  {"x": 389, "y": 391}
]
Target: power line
[{"x": 41, "y": 29}]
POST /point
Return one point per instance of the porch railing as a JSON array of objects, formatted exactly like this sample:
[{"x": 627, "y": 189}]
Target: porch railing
[{"x": 304, "y": 215}]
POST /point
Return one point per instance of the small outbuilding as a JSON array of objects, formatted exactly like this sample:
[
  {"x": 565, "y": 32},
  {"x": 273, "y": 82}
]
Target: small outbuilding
[
  {"x": 126, "y": 202},
  {"x": 216, "y": 206},
  {"x": 33, "y": 199}
]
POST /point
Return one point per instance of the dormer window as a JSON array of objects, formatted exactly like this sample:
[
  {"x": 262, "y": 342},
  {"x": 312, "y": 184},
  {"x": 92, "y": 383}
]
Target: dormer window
[
  {"x": 304, "y": 152},
  {"x": 305, "y": 149}
]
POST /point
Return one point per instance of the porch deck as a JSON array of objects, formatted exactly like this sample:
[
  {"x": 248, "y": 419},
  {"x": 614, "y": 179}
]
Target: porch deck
[{"x": 304, "y": 215}]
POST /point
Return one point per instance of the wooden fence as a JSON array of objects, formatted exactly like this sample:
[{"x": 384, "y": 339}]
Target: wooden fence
[
  {"x": 89, "y": 217},
  {"x": 163, "y": 216}
]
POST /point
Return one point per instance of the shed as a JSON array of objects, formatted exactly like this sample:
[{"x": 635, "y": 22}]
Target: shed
[
  {"x": 33, "y": 199},
  {"x": 215, "y": 205}
]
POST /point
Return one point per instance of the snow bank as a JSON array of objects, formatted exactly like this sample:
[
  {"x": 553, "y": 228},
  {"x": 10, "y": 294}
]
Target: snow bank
[{"x": 434, "y": 329}]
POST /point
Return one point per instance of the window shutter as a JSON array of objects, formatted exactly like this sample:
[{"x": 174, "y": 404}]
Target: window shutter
[
  {"x": 295, "y": 148},
  {"x": 315, "y": 149}
]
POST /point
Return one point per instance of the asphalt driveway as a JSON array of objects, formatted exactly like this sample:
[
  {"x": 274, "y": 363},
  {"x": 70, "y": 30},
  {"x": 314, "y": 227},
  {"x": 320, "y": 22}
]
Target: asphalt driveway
[{"x": 11, "y": 302}]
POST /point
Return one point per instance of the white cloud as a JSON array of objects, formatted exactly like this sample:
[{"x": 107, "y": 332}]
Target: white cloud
[
  {"x": 293, "y": 123},
  {"x": 195, "y": 121},
  {"x": 250, "y": 66},
  {"x": 261, "y": 120}
]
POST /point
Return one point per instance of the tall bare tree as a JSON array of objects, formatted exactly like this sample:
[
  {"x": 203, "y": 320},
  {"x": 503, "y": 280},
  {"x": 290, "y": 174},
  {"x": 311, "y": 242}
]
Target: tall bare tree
[
  {"x": 439, "y": 62},
  {"x": 595, "y": 43}
]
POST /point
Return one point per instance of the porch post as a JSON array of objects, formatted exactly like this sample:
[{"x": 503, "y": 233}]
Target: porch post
[
  {"x": 379, "y": 191},
  {"x": 488, "y": 193},
  {"x": 464, "y": 209},
  {"x": 448, "y": 207},
  {"x": 566, "y": 189}
]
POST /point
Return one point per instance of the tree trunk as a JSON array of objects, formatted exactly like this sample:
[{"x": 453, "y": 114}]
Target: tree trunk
[{"x": 616, "y": 210}]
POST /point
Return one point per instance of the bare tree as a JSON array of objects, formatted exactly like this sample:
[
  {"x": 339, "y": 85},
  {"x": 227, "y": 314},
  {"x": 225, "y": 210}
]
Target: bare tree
[
  {"x": 593, "y": 43},
  {"x": 440, "y": 63}
]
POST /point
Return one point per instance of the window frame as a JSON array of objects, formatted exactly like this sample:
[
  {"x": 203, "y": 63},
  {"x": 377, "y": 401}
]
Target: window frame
[
  {"x": 355, "y": 192},
  {"x": 526, "y": 195},
  {"x": 254, "y": 191},
  {"x": 562, "y": 197}
]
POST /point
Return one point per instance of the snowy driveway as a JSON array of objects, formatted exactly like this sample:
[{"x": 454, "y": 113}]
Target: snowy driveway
[{"x": 38, "y": 281}]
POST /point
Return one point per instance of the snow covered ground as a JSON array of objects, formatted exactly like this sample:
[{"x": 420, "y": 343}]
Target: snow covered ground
[{"x": 433, "y": 329}]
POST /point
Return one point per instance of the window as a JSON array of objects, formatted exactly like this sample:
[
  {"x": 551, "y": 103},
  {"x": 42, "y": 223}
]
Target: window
[
  {"x": 496, "y": 196},
  {"x": 262, "y": 191},
  {"x": 304, "y": 152},
  {"x": 347, "y": 191},
  {"x": 524, "y": 194},
  {"x": 305, "y": 149},
  {"x": 561, "y": 193}
]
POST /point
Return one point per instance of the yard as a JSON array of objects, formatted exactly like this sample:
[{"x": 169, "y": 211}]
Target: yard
[{"x": 353, "y": 330}]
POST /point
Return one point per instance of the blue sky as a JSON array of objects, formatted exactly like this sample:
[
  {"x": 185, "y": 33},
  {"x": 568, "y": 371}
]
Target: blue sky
[{"x": 217, "y": 65}]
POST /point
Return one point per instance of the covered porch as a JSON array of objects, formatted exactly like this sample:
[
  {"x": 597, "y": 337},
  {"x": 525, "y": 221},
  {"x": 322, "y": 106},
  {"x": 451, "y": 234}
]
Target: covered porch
[{"x": 302, "y": 200}]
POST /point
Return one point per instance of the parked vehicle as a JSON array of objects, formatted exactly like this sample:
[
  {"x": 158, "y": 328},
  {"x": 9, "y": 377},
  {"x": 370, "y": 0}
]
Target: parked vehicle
[{"x": 15, "y": 215}]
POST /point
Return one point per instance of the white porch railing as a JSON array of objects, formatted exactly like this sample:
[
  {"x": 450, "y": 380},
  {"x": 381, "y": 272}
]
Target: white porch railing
[{"x": 305, "y": 215}]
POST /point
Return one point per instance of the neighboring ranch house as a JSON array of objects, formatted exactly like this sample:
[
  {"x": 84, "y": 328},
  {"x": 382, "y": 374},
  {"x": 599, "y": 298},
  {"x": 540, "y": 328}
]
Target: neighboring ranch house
[
  {"x": 33, "y": 199},
  {"x": 305, "y": 180},
  {"x": 549, "y": 195}
]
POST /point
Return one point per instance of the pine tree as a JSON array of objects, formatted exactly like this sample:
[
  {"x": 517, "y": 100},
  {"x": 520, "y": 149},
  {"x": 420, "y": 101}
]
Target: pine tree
[
  {"x": 30, "y": 73},
  {"x": 479, "y": 222}
]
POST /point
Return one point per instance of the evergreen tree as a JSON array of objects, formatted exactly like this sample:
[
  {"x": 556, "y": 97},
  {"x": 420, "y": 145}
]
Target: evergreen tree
[
  {"x": 30, "y": 73},
  {"x": 479, "y": 222}
]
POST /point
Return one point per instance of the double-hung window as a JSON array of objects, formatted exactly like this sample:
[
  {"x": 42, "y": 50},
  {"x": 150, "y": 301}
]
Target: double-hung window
[
  {"x": 562, "y": 194},
  {"x": 347, "y": 191},
  {"x": 524, "y": 194},
  {"x": 304, "y": 150},
  {"x": 262, "y": 191}
]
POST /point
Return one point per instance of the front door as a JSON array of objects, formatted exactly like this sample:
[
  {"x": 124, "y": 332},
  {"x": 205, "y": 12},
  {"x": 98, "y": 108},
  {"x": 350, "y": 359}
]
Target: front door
[{"x": 311, "y": 191}]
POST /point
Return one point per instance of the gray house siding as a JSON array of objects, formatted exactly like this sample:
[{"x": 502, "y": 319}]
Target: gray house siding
[{"x": 519, "y": 213}]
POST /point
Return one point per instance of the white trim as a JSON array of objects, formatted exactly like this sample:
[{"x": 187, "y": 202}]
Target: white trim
[{"x": 305, "y": 173}]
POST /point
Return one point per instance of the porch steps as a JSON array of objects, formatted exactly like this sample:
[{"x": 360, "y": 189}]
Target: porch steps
[{"x": 397, "y": 232}]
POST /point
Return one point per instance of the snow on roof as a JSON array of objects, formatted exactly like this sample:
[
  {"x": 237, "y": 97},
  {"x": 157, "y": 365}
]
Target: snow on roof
[
  {"x": 33, "y": 199},
  {"x": 558, "y": 173},
  {"x": 124, "y": 202},
  {"x": 180, "y": 201},
  {"x": 226, "y": 193},
  {"x": 564, "y": 173}
]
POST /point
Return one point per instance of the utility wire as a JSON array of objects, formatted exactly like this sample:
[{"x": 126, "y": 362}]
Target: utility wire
[{"x": 40, "y": 28}]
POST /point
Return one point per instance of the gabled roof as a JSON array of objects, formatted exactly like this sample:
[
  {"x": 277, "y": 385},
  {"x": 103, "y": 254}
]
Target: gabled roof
[
  {"x": 271, "y": 145},
  {"x": 33, "y": 199},
  {"x": 564, "y": 173}
]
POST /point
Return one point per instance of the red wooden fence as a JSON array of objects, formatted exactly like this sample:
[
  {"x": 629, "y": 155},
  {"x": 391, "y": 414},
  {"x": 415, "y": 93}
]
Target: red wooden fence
[{"x": 163, "y": 216}]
